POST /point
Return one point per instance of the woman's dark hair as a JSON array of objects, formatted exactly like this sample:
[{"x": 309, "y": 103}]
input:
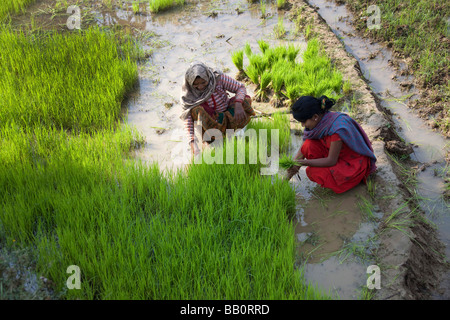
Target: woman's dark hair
[{"x": 305, "y": 107}]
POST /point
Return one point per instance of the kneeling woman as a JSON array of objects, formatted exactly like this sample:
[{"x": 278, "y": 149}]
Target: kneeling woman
[
  {"x": 335, "y": 148},
  {"x": 204, "y": 97}
]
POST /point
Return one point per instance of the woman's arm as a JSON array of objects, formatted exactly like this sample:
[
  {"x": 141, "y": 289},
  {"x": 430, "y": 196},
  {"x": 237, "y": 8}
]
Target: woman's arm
[
  {"x": 331, "y": 160},
  {"x": 236, "y": 87},
  {"x": 231, "y": 85}
]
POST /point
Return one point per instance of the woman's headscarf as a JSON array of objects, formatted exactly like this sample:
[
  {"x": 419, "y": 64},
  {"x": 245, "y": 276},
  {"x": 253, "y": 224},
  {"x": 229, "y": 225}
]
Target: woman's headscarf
[{"x": 191, "y": 97}]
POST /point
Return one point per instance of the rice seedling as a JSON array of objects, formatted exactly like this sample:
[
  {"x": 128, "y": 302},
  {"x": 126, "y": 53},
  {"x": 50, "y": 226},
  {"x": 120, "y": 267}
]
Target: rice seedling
[
  {"x": 135, "y": 7},
  {"x": 347, "y": 87},
  {"x": 371, "y": 187},
  {"x": 261, "y": 94},
  {"x": 161, "y": 5},
  {"x": 263, "y": 45},
  {"x": 313, "y": 239},
  {"x": 13, "y": 6},
  {"x": 366, "y": 208},
  {"x": 281, "y": 4},
  {"x": 308, "y": 32},
  {"x": 248, "y": 50},
  {"x": 400, "y": 219},
  {"x": 355, "y": 250},
  {"x": 279, "y": 29},
  {"x": 262, "y": 6},
  {"x": 238, "y": 59},
  {"x": 366, "y": 294}
]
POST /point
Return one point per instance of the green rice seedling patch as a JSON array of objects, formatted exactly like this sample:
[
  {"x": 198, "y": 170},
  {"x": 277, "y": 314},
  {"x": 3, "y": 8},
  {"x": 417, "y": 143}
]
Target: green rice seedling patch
[
  {"x": 279, "y": 69},
  {"x": 75, "y": 82},
  {"x": 162, "y": 5},
  {"x": 138, "y": 235},
  {"x": 14, "y": 7}
]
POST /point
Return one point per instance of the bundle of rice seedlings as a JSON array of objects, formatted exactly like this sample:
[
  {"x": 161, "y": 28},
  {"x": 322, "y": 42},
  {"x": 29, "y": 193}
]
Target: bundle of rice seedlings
[
  {"x": 277, "y": 81},
  {"x": 260, "y": 62},
  {"x": 292, "y": 52},
  {"x": 287, "y": 162},
  {"x": 161, "y": 5},
  {"x": 336, "y": 81},
  {"x": 252, "y": 74},
  {"x": 261, "y": 94},
  {"x": 238, "y": 59},
  {"x": 293, "y": 92},
  {"x": 277, "y": 84}
]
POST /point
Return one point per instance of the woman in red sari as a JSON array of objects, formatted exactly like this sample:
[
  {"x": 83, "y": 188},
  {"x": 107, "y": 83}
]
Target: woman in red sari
[{"x": 336, "y": 150}]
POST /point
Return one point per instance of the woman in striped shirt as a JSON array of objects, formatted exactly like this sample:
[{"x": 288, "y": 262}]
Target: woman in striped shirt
[{"x": 204, "y": 98}]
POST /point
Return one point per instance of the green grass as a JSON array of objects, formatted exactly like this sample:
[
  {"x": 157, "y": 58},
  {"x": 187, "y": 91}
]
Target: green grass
[
  {"x": 419, "y": 30},
  {"x": 72, "y": 193},
  {"x": 13, "y": 7},
  {"x": 161, "y": 5}
]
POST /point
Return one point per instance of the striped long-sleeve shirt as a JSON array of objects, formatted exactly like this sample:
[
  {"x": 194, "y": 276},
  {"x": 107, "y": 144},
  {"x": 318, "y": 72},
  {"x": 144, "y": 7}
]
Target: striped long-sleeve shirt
[{"x": 219, "y": 99}]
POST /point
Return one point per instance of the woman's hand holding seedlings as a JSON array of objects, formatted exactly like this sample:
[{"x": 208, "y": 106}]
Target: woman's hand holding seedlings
[{"x": 292, "y": 171}]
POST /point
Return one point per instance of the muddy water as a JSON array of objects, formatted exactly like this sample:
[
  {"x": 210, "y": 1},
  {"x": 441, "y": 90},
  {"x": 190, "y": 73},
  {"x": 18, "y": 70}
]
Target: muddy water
[
  {"x": 335, "y": 237},
  {"x": 430, "y": 147}
]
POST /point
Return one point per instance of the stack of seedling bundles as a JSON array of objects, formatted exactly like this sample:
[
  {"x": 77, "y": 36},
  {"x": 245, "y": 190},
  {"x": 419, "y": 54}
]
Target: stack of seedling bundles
[
  {"x": 71, "y": 191},
  {"x": 279, "y": 72}
]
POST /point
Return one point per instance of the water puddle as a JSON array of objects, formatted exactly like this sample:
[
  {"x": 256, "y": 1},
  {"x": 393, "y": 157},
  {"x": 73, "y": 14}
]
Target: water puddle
[
  {"x": 388, "y": 84},
  {"x": 335, "y": 237}
]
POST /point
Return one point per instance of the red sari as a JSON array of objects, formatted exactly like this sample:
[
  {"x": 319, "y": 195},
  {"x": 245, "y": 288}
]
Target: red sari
[{"x": 350, "y": 169}]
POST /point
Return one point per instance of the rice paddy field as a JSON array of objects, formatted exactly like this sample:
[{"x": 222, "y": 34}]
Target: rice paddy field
[
  {"x": 73, "y": 194},
  {"x": 87, "y": 177}
]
